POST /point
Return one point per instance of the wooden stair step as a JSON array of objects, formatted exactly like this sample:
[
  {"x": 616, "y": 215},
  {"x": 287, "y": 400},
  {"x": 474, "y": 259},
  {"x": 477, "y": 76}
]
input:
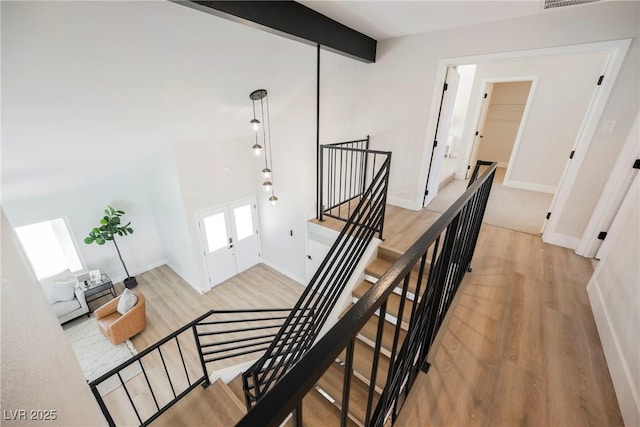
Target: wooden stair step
[
  {"x": 332, "y": 383},
  {"x": 379, "y": 266},
  {"x": 363, "y": 363},
  {"x": 235, "y": 385},
  {"x": 370, "y": 331},
  {"x": 393, "y": 303},
  {"x": 388, "y": 254},
  {"x": 317, "y": 411},
  {"x": 216, "y": 399},
  {"x": 391, "y": 255}
]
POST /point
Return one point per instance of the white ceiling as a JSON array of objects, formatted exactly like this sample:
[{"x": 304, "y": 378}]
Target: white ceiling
[
  {"x": 92, "y": 87},
  {"x": 386, "y": 19}
]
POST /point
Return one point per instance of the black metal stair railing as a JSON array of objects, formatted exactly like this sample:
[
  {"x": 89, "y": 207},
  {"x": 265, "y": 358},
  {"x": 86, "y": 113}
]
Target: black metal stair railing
[
  {"x": 365, "y": 218},
  {"x": 347, "y": 170},
  {"x": 440, "y": 258},
  {"x": 212, "y": 336}
]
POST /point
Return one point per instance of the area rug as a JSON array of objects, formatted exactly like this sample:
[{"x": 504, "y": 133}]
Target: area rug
[
  {"x": 512, "y": 208},
  {"x": 97, "y": 355}
]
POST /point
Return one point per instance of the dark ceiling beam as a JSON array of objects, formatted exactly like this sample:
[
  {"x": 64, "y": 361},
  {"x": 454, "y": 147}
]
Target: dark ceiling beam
[{"x": 294, "y": 21}]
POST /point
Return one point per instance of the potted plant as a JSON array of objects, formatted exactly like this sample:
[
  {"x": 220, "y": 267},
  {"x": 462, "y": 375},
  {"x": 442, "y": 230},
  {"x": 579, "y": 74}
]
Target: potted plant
[{"x": 110, "y": 227}]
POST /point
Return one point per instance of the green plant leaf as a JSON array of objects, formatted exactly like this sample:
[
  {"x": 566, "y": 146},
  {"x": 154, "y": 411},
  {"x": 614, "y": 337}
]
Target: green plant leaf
[
  {"x": 130, "y": 230},
  {"x": 89, "y": 240},
  {"x": 100, "y": 241},
  {"x": 103, "y": 221},
  {"x": 106, "y": 211},
  {"x": 120, "y": 212}
]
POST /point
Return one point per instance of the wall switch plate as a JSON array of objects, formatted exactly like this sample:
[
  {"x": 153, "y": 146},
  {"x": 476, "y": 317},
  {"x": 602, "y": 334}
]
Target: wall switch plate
[{"x": 609, "y": 126}]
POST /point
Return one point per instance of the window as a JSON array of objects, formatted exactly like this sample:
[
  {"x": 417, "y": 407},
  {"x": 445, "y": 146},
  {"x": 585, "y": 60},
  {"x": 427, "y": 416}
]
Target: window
[
  {"x": 49, "y": 247},
  {"x": 244, "y": 221}
]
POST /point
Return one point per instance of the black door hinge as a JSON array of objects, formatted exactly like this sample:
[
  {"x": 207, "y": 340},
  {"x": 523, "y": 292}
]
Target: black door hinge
[
  {"x": 485, "y": 95},
  {"x": 636, "y": 164},
  {"x": 572, "y": 153},
  {"x": 548, "y": 215},
  {"x": 602, "y": 235},
  {"x": 446, "y": 86},
  {"x": 477, "y": 132},
  {"x": 600, "y": 79}
]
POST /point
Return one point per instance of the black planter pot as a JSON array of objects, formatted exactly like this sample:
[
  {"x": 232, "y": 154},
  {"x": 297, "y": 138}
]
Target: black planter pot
[{"x": 130, "y": 282}]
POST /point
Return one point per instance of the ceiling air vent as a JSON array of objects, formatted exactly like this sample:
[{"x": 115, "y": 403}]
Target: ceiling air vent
[{"x": 550, "y": 4}]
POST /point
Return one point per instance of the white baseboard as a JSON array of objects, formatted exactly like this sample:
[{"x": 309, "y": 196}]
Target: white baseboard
[
  {"x": 530, "y": 186},
  {"x": 139, "y": 270},
  {"x": 561, "y": 240},
  {"x": 627, "y": 394},
  {"x": 404, "y": 203},
  {"x": 290, "y": 275},
  {"x": 184, "y": 277}
]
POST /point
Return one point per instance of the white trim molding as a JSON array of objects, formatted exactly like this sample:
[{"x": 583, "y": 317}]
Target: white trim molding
[
  {"x": 618, "y": 50},
  {"x": 612, "y": 195},
  {"x": 562, "y": 240}
]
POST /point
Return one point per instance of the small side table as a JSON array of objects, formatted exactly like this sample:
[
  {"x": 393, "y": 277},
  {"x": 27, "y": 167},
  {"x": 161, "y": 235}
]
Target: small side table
[{"x": 99, "y": 289}]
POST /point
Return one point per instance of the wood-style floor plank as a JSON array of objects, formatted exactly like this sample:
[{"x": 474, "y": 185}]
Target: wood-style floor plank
[
  {"x": 170, "y": 304},
  {"x": 520, "y": 347}
]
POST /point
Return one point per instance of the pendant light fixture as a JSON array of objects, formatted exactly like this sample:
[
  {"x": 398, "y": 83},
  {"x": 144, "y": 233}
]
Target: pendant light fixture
[{"x": 265, "y": 124}]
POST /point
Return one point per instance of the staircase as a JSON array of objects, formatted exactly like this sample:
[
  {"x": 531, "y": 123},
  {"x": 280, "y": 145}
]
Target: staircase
[{"x": 362, "y": 370}]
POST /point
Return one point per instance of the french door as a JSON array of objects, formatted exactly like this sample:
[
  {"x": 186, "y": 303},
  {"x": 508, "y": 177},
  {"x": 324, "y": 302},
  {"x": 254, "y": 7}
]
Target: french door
[{"x": 230, "y": 239}]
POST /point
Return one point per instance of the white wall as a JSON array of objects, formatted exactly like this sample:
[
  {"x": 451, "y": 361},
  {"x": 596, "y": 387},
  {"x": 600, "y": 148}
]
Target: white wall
[
  {"x": 39, "y": 369},
  {"x": 503, "y": 121},
  {"x": 83, "y": 210},
  {"x": 170, "y": 218},
  {"x": 614, "y": 292},
  {"x": 397, "y": 114},
  {"x": 564, "y": 87},
  {"x": 210, "y": 174}
]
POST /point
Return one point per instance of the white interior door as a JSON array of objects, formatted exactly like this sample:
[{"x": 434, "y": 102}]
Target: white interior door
[
  {"x": 245, "y": 234},
  {"x": 217, "y": 241},
  {"x": 473, "y": 158},
  {"x": 442, "y": 133},
  {"x": 230, "y": 239}
]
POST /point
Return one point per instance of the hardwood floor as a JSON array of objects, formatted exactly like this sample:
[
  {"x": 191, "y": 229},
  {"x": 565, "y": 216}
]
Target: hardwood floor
[
  {"x": 170, "y": 304},
  {"x": 521, "y": 346}
]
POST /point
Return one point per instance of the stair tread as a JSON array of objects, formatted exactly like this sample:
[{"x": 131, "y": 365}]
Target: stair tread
[
  {"x": 370, "y": 331},
  {"x": 332, "y": 383},
  {"x": 216, "y": 399},
  {"x": 363, "y": 363},
  {"x": 379, "y": 267},
  {"x": 235, "y": 385},
  {"x": 393, "y": 303},
  {"x": 231, "y": 396},
  {"x": 318, "y": 411}
]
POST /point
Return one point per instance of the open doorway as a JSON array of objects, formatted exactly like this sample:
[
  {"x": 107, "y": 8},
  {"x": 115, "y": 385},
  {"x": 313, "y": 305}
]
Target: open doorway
[
  {"x": 505, "y": 107},
  {"x": 560, "y": 107}
]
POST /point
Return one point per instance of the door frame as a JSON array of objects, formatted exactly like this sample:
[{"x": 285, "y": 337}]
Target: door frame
[
  {"x": 447, "y": 104},
  {"x": 613, "y": 194},
  {"x": 203, "y": 244},
  {"x": 617, "y": 51}
]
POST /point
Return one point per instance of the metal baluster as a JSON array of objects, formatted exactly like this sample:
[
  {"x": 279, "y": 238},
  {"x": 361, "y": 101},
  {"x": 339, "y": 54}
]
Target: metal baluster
[
  {"x": 346, "y": 386},
  {"x": 183, "y": 363},
  {"x": 144, "y": 372},
  {"x": 129, "y": 396}
]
